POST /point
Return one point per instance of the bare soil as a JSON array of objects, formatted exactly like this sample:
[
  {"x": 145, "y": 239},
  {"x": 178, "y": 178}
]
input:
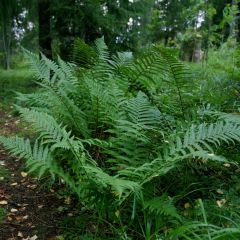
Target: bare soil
[{"x": 31, "y": 209}]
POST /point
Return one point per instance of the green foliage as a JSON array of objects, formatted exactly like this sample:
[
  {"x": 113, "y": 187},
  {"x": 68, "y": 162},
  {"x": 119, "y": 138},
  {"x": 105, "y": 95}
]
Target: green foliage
[
  {"x": 19, "y": 79},
  {"x": 118, "y": 149},
  {"x": 217, "y": 81},
  {"x": 2, "y": 214},
  {"x": 82, "y": 54}
]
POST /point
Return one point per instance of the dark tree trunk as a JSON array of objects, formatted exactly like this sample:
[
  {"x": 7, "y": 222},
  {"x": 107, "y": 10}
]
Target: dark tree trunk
[
  {"x": 238, "y": 24},
  {"x": 45, "y": 27}
]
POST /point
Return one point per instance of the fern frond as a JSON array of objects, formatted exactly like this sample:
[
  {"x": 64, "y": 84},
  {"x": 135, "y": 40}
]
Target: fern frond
[
  {"x": 38, "y": 159},
  {"x": 68, "y": 69},
  {"x": 140, "y": 112},
  {"x": 102, "y": 70},
  {"x": 64, "y": 108},
  {"x": 50, "y": 130},
  {"x": 37, "y": 99},
  {"x": 38, "y": 66},
  {"x": 161, "y": 206},
  {"x": 179, "y": 77},
  {"x": 82, "y": 54},
  {"x": 196, "y": 143},
  {"x": 131, "y": 144},
  {"x": 120, "y": 187},
  {"x": 102, "y": 49},
  {"x": 228, "y": 117}
]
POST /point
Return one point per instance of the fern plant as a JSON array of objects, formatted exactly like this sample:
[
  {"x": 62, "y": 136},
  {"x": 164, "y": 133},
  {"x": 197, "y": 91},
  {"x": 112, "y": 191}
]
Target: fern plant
[{"x": 110, "y": 142}]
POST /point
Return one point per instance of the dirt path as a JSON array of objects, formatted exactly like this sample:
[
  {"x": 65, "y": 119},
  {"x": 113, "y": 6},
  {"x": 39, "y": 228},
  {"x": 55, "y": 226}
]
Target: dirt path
[{"x": 31, "y": 211}]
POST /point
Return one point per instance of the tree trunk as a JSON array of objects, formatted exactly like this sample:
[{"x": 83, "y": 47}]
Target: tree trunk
[
  {"x": 233, "y": 24},
  {"x": 6, "y": 33},
  {"x": 44, "y": 18},
  {"x": 238, "y": 24}
]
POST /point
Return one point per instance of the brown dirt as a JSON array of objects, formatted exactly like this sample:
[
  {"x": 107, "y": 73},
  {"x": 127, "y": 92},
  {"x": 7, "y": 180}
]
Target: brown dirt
[{"x": 31, "y": 210}]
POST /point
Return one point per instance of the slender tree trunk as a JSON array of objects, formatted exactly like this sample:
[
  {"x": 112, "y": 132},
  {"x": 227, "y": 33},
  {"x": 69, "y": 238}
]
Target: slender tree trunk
[
  {"x": 45, "y": 28},
  {"x": 238, "y": 23},
  {"x": 233, "y": 24},
  {"x": 6, "y": 39},
  {"x": 209, "y": 22}
]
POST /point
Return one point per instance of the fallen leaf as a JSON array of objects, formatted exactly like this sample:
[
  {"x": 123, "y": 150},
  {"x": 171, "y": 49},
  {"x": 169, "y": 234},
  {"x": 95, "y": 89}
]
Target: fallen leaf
[
  {"x": 221, "y": 202},
  {"x": 24, "y": 174},
  {"x": 13, "y": 210},
  {"x": 22, "y": 209},
  {"x": 117, "y": 213},
  {"x": 17, "y": 122},
  {"x": 19, "y": 218},
  {"x": 24, "y": 204},
  {"x": 3, "y": 202},
  {"x": 14, "y": 184},
  {"x": 34, "y": 186},
  {"x": 20, "y": 234},
  {"x": 220, "y": 191},
  {"x": 67, "y": 200},
  {"x": 187, "y": 205},
  {"x": 227, "y": 165},
  {"x": 2, "y": 163},
  {"x": 31, "y": 238}
]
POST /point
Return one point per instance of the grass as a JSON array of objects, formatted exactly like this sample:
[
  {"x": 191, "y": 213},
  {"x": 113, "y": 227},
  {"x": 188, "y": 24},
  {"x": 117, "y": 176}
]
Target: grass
[{"x": 15, "y": 80}]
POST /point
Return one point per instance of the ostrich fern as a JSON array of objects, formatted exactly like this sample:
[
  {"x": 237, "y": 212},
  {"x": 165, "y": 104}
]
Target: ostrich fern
[{"x": 106, "y": 139}]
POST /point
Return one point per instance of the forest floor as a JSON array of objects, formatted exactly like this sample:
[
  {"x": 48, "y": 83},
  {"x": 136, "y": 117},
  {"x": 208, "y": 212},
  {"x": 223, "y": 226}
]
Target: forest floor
[{"x": 31, "y": 210}]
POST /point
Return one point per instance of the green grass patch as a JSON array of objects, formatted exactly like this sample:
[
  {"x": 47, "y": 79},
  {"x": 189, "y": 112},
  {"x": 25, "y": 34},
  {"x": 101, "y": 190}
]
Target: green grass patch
[{"x": 14, "y": 80}]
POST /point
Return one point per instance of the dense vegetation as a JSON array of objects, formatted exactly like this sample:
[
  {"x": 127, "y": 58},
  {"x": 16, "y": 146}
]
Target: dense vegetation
[
  {"x": 136, "y": 142},
  {"x": 145, "y": 145}
]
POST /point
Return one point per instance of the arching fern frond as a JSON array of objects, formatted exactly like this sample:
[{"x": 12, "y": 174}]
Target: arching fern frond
[
  {"x": 141, "y": 112},
  {"x": 50, "y": 130},
  {"x": 38, "y": 66},
  {"x": 178, "y": 78},
  {"x": 38, "y": 159},
  {"x": 161, "y": 206},
  {"x": 131, "y": 143},
  {"x": 196, "y": 143},
  {"x": 83, "y": 55},
  {"x": 102, "y": 70}
]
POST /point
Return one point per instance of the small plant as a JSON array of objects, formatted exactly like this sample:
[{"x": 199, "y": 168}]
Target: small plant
[{"x": 2, "y": 214}]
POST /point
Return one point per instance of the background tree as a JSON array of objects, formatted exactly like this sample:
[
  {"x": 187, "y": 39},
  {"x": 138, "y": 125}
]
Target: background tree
[
  {"x": 9, "y": 12},
  {"x": 44, "y": 33}
]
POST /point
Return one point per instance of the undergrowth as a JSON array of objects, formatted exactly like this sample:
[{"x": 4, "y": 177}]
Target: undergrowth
[{"x": 136, "y": 143}]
